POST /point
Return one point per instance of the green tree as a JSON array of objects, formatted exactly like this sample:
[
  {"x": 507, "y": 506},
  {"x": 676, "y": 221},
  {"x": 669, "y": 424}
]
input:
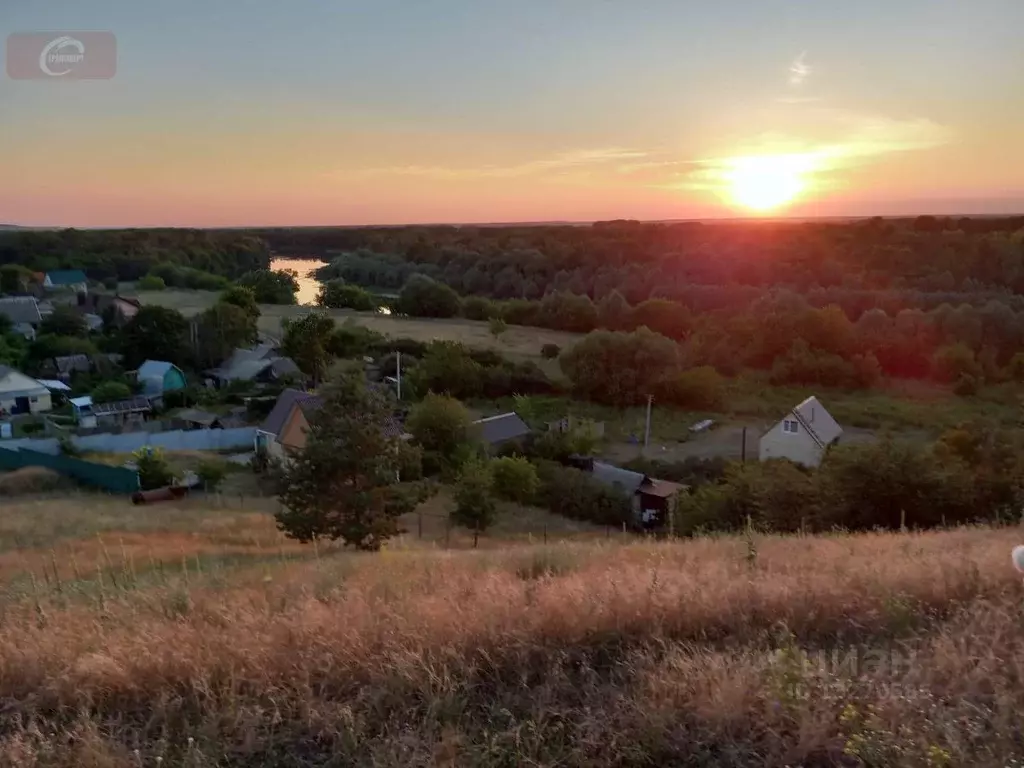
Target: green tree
[
  {"x": 475, "y": 507},
  {"x": 221, "y": 329},
  {"x": 515, "y": 479},
  {"x": 242, "y": 297},
  {"x": 64, "y": 321},
  {"x": 14, "y": 278},
  {"x": 613, "y": 312},
  {"x": 154, "y": 470},
  {"x": 662, "y": 316},
  {"x": 447, "y": 367},
  {"x": 271, "y": 286},
  {"x": 111, "y": 391},
  {"x": 307, "y": 341},
  {"x": 344, "y": 483},
  {"x": 155, "y": 333},
  {"x": 619, "y": 368},
  {"x": 337, "y": 294},
  {"x": 422, "y": 296},
  {"x": 439, "y": 423}
]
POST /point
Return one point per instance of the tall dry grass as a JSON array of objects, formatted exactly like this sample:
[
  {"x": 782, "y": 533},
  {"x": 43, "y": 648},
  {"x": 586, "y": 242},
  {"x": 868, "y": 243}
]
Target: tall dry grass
[{"x": 709, "y": 652}]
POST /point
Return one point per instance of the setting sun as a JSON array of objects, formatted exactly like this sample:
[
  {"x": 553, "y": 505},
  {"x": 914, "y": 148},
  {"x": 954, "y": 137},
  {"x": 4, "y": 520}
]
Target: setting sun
[{"x": 765, "y": 183}]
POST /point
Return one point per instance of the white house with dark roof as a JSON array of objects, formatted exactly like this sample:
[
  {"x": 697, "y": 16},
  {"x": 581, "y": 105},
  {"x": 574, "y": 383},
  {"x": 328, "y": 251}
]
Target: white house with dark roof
[
  {"x": 803, "y": 435},
  {"x": 22, "y": 394}
]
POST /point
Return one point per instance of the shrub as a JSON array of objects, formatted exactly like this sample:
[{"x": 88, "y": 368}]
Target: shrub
[
  {"x": 574, "y": 494},
  {"x": 211, "y": 473},
  {"x": 154, "y": 470},
  {"x": 515, "y": 479},
  {"x": 337, "y": 294},
  {"x": 479, "y": 308},
  {"x": 497, "y": 327},
  {"x": 152, "y": 283}
]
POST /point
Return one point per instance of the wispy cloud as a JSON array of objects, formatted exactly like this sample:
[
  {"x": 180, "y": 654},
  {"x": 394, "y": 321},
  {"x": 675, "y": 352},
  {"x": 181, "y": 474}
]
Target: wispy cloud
[
  {"x": 799, "y": 70},
  {"x": 574, "y": 160}
]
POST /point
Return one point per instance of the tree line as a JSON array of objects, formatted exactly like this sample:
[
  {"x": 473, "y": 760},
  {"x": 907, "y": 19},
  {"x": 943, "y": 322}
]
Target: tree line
[{"x": 178, "y": 256}]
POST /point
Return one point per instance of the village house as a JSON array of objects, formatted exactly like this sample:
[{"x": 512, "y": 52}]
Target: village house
[
  {"x": 21, "y": 394},
  {"x": 260, "y": 364},
  {"x": 73, "y": 280},
  {"x": 23, "y": 312},
  {"x": 497, "y": 431},
  {"x": 653, "y": 501},
  {"x": 803, "y": 435},
  {"x": 158, "y": 377},
  {"x": 284, "y": 429}
]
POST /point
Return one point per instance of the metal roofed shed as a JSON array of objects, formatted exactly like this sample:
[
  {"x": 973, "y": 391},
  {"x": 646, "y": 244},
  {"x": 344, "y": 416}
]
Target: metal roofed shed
[
  {"x": 138, "y": 404},
  {"x": 610, "y": 475}
]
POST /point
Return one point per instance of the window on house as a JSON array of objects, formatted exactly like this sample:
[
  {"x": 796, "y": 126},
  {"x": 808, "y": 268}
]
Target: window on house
[
  {"x": 35, "y": 399},
  {"x": 790, "y": 427}
]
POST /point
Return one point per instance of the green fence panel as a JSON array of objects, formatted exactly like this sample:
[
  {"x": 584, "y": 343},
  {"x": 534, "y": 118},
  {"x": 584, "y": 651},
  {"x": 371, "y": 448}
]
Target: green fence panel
[{"x": 113, "y": 479}]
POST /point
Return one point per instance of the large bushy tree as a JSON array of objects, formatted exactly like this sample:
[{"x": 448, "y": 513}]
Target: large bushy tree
[
  {"x": 307, "y": 341},
  {"x": 155, "y": 333},
  {"x": 344, "y": 484},
  {"x": 620, "y": 368}
]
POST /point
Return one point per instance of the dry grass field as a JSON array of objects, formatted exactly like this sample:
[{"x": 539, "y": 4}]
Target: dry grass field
[
  {"x": 517, "y": 342},
  {"x": 194, "y": 635}
]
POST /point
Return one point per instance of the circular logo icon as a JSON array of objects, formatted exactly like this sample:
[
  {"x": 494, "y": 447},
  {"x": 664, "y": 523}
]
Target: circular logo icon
[{"x": 61, "y": 55}]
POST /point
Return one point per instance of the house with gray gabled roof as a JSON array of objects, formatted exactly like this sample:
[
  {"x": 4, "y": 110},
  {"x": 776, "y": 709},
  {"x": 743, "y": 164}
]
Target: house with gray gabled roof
[
  {"x": 496, "y": 431},
  {"x": 23, "y": 312}
]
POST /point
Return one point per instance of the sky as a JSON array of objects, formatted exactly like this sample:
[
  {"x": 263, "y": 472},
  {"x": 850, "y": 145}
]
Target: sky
[{"x": 419, "y": 111}]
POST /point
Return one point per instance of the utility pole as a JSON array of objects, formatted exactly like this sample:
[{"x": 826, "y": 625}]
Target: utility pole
[
  {"x": 398, "y": 373},
  {"x": 647, "y": 430}
]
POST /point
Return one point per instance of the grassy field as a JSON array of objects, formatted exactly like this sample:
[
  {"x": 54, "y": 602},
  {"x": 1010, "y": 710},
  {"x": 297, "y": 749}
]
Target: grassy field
[
  {"x": 195, "y": 635},
  {"x": 517, "y": 342}
]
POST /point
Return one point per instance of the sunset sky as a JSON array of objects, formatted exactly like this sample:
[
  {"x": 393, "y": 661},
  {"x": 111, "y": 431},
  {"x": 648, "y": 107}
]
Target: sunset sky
[{"x": 398, "y": 111}]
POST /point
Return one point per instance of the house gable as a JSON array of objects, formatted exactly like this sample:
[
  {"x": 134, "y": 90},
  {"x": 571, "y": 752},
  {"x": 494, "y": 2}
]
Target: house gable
[
  {"x": 293, "y": 434},
  {"x": 802, "y": 435},
  {"x": 16, "y": 381}
]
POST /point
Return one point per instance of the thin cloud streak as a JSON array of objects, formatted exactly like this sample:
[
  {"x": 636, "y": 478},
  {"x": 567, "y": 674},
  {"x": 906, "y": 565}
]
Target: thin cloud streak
[{"x": 573, "y": 160}]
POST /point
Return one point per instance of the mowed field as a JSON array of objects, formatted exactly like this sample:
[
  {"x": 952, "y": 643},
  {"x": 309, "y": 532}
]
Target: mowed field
[
  {"x": 195, "y": 635},
  {"x": 517, "y": 342}
]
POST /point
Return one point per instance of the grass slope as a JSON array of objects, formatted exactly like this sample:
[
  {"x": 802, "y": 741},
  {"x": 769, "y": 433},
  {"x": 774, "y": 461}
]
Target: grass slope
[{"x": 835, "y": 650}]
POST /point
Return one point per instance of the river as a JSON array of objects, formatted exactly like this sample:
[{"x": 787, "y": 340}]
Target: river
[{"x": 309, "y": 286}]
